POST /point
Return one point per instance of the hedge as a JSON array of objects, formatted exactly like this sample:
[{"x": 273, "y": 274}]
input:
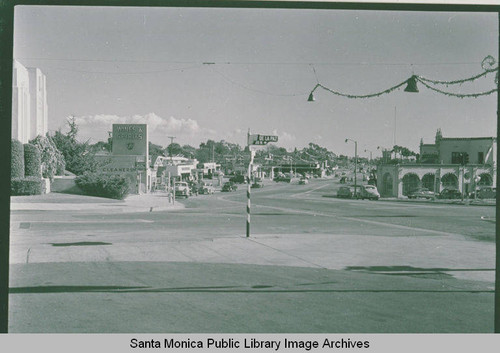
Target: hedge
[
  {"x": 104, "y": 185},
  {"x": 17, "y": 160},
  {"x": 26, "y": 186},
  {"x": 32, "y": 160},
  {"x": 51, "y": 158}
]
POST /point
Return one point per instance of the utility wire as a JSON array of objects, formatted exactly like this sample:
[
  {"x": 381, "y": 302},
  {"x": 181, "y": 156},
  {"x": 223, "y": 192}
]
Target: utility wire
[
  {"x": 256, "y": 90},
  {"x": 251, "y": 62}
]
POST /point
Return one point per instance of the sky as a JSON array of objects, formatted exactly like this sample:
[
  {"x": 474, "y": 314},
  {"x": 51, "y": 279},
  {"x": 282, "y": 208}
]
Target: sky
[{"x": 199, "y": 74}]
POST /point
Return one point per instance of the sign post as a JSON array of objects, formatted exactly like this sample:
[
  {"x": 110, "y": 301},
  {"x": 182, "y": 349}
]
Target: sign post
[{"x": 254, "y": 140}]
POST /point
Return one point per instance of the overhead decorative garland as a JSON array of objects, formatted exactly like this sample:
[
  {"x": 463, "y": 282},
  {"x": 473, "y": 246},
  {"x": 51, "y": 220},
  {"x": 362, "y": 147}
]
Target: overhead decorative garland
[
  {"x": 474, "y": 95},
  {"x": 488, "y": 65}
]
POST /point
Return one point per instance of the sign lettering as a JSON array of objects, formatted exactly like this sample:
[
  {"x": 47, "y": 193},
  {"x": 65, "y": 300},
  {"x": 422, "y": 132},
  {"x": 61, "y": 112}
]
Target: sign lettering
[{"x": 261, "y": 139}]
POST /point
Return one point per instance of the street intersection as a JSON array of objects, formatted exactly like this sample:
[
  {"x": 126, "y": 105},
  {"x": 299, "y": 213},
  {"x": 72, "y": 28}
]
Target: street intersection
[{"x": 313, "y": 263}]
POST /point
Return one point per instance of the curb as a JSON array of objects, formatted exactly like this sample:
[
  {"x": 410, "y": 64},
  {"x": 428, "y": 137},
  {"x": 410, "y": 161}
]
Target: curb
[{"x": 463, "y": 203}]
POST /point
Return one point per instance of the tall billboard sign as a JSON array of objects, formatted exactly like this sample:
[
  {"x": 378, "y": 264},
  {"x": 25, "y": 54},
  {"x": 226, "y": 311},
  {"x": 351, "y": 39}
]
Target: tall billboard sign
[{"x": 130, "y": 139}]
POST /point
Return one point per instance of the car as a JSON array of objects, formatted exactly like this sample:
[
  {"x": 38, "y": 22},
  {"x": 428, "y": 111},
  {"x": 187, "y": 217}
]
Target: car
[
  {"x": 421, "y": 193},
  {"x": 303, "y": 181},
  {"x": 206, "y": 189},
  {"x": 450, "y": 194},
  {"x": 182, "y": 189},
  {"x": 487, "y": 192},
  {"x": 368, "y": 192},
  {"x": 238, "y": 178},
  {"x": 257, "y": 184},
  {"x": 283, "y": 178},
  {"x": 345, "y": 192},
  {"x": 229, "y": 186},
  {"x": 193, "y": 188}
]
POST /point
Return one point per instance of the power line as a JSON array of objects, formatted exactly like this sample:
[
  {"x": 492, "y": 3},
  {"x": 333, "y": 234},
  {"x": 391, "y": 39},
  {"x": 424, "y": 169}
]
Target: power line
[
  {"x": 256, "y": 90},
  {"x": 208, "y": 62},
  {"x": 127, "y": 73}
]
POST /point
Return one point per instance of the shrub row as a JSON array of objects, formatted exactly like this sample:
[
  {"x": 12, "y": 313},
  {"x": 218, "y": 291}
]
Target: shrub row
[
  {"x": 32, "y": 161},
  {"x": 17, "y": 159},
  {"x": 26, "y": 186},
  {"x": 104, "y": 185}
]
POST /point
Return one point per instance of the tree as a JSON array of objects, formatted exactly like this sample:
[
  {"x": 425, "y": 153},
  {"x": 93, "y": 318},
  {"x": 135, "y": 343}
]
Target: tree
[
  {"x": 101, "y": 146},
  {"x": 51, "y": 158},
  {"x": 155, "y": 151},
  {"x": 78, "y": 156},
  {"x": 188, "y": 151},
  {"x": 174, "y": 149}
]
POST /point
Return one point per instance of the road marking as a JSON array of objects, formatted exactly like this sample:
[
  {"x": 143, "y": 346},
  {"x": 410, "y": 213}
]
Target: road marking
[
  {"x": 360, "y": 220},
  {"x": 308, "y": 191}
]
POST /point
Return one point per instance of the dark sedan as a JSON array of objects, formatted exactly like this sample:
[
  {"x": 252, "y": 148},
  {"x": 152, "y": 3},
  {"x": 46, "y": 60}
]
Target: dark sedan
[
  {"x": 450, "y": 194},
  {"x": 421, "y": 193},
  {"x": 229, "y": 186}
]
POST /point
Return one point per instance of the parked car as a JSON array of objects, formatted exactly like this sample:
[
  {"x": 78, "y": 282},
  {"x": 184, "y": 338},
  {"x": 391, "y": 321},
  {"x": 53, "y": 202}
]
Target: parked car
[
  {"x": 283, "y": 178},
  {"x": 450, "y": 194},
  {"x": 345, "y": 192},
  {"x": 182, "y": 189},
  {"x": 257, "y": 184},
  {"x": 368, "y": 192},
  {"x": 206, "y": 189},
  {"x": 487, "y": 192},
  {"x": 229, "y": 186},
  {"x": 421, "y": 193},
  {"x": 238, "y": 178},
  {"x": 303, "y": 181},
  {"x": 193, "y": 188}
]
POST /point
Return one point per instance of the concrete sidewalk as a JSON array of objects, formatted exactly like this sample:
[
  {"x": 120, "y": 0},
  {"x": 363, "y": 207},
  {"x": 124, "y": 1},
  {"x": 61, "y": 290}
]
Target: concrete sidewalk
[{"x": 66, "y": 202}]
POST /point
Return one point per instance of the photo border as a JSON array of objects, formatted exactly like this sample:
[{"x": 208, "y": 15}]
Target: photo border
[{"x": 6, "y": 59}]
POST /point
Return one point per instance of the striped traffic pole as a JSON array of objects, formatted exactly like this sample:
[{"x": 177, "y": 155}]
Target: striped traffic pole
[
  {"x": 249, "y": 178},
  {"x": 248, "y": 207}
]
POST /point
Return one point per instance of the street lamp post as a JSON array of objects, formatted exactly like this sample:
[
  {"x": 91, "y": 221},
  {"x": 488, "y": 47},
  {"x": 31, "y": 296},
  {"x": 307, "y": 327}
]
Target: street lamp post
[{"x": 355, "y": 165}]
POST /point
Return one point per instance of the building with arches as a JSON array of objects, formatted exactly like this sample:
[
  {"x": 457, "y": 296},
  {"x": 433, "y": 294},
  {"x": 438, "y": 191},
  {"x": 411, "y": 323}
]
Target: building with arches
[{"x": 442, "y": 165}]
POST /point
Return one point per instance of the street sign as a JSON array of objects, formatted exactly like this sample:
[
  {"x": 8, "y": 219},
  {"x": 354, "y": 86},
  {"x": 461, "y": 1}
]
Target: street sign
[{"x": 258, "y": 139}]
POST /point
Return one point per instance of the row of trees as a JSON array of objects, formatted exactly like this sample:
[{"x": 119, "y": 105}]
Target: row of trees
[{"x": 63, "y": 151}]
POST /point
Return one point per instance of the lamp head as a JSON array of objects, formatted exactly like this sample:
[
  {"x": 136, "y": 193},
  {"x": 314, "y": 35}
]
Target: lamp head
[
  {"x": 311, "y": 98},
  {"x": 411, "y": 85}
]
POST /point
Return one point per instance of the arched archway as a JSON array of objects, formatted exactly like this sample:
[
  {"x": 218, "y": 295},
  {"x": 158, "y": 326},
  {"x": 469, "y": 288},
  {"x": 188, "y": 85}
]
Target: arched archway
[
  {"x": 486, "y": 180},
  {"x": 428, "y": 181},
  {"x": 387, "y": 185},
  {"x": 449, "y": 181},
  {"x": 410, "y": 183}
]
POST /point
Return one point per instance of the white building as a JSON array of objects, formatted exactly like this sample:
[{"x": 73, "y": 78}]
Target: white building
[
  {"x": 441, "y": 167},
  {"x": 29, "y": 103}
]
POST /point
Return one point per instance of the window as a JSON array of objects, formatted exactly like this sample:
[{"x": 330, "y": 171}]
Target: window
[
  {"x": 480, "y": 157},
  {"x": 456, "y": 157}
]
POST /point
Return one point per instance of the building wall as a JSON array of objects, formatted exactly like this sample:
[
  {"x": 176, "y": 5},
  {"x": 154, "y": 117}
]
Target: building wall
[
  {"x": 38, "y": 103},
  {"x": 20, "y": 103},
  {"x": 394, "y": 175},
  {"x": 472, "y": 146},
  {"x": 29, "y": 103},
  {"x": 429, "y": 153}
]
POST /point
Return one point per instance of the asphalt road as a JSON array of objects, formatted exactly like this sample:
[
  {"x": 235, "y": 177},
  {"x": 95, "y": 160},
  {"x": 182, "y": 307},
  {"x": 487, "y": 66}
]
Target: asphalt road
[{"x": 313, "y": 263}]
